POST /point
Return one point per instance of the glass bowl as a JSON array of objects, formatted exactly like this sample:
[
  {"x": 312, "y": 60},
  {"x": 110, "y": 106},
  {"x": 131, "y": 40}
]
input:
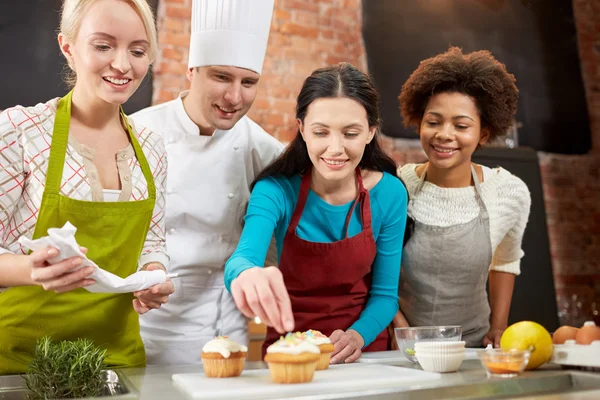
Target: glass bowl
[
  {"x": 503, "y": 363},
  {"x": 407, "y": 337}
]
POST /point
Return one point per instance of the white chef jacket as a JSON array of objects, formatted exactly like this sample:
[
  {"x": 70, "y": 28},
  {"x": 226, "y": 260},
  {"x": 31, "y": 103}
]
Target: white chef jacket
[{"x": 208, "y": 187}]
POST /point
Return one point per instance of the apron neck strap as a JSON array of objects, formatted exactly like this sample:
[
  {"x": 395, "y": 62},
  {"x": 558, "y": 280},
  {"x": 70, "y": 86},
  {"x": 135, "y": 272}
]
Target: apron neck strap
[
  {"x": 60, "y": 138},
  {"x": 478, "y": 190},
  {"x": 365, "y": 205},
  {"x": 141, "y": 158},
  {"x": 58, "y": 147},
  {"x": 302, "y": 196},
  {"x": 363, "y": 198}
]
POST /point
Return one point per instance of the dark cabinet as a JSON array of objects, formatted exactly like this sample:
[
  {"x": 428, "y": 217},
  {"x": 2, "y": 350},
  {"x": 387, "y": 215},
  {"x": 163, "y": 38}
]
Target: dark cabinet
[{"x": 534, "y": 297}]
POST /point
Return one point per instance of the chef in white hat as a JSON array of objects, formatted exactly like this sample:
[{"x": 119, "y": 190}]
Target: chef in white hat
[{"x": 214, "y": 153}]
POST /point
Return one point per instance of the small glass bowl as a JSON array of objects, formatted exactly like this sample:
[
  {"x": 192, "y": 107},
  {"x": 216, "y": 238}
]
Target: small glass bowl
[
  {"x": 407, "y": 337},
  {"x": 503, "y": 363}
]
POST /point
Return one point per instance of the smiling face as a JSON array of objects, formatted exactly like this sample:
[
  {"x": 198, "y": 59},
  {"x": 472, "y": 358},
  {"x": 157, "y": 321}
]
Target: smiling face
[
  {"x": 450, "y": 130},
  {"x": 110, "y": 51},
  {"x": 336, "y": 132},
  {"x": 220, "y": 95}
]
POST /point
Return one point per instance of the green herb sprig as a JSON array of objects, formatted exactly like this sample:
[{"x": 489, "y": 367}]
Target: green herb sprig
[{"x": 67, "y": 369}]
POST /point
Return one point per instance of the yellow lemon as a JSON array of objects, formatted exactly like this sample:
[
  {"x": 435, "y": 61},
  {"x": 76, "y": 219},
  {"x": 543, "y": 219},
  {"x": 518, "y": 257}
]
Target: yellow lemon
[{"x": 529, "y": 335}]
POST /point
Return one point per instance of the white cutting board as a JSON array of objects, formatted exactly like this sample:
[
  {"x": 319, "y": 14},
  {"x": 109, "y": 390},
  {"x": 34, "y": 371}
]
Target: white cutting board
[{"x": 257, "y": 384}]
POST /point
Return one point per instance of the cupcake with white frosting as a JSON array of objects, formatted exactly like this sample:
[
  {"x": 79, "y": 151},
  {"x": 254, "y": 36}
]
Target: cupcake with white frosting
[
  {"x": 292, "y": 359},
  {"x": 223, "y": 358},
  {"x": 325, "y": 347}
]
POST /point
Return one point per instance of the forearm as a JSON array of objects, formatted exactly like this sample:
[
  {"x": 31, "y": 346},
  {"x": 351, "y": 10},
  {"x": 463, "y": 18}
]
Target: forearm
[
  {"x": 157, "y": 257},
  {"x": 154, "y": 264},
  {"x": 399, "y": 320},
  {"x": 376, "y": 316},
  {"x": 501, "y": 290},
  {"x": 13, "y": 271}
]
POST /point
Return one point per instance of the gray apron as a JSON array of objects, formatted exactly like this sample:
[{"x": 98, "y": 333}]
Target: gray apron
[{"x": 445, "y": 271}]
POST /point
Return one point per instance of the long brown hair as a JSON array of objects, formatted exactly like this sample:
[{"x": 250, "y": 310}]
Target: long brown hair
[{"x": 341, "y": 80}]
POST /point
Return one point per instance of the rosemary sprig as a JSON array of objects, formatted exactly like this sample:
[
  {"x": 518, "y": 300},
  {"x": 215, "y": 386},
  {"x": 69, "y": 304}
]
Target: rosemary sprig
[{"x": 67, "y": 369}]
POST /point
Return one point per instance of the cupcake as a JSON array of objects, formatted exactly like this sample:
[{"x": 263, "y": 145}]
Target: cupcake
[
  {"x": 292, "y": 359},
  {"x": 223, "y": 358},
  {"x": 324, "y": 344}
]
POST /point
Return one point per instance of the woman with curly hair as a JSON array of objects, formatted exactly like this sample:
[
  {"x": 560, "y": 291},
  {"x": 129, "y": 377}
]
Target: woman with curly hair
[{"x": 469, "y": 219}]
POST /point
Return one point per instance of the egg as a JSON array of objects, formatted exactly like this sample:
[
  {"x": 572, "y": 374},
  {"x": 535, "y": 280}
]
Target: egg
[
  {"x": 563, "y": 334},
  {"x": 587, "y": 334}
]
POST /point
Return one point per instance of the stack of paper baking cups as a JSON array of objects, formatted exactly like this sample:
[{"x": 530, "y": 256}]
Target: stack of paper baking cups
[{"x": 440, "y": 356}]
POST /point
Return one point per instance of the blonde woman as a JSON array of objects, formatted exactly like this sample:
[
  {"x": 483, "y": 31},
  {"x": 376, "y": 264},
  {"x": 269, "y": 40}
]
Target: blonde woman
[{"x": 79, "y": 159}]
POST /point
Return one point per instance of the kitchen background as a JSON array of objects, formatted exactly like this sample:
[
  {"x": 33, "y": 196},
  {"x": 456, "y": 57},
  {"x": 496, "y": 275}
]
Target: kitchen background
[
  {"x": 306, "y": 35},
  {"x": 552, "y": 46}
]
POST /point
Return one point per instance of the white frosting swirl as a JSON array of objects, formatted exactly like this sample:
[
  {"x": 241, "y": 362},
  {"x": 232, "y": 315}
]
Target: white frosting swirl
[
  {"x": 293, "y": 345},
  {"x": 224, "y": 346},
  {"x": 316, "y": 337}
]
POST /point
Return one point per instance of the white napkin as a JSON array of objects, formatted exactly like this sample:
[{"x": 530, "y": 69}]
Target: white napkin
[{"x": 63, "y": 239}]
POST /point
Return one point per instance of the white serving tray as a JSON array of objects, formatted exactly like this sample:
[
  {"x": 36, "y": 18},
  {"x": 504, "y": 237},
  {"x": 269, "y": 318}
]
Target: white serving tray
[
  {"x": 395, "y": 357},
  {"x": 579, "y": 355},
  {"x": 257, "y": 384}
]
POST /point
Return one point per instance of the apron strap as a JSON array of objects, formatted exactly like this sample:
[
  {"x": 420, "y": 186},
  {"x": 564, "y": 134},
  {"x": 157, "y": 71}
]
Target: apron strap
[
  {"x": 141, "y": 157},
  {"x": 478, "y": 190},
  {"x": 58, "y": 147},
  {"x": 365, "y": 206},
  {"x": 304, "y": 187}
]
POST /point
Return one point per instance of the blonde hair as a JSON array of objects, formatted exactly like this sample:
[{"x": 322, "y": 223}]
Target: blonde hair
[{"x": 72, "y": 14}]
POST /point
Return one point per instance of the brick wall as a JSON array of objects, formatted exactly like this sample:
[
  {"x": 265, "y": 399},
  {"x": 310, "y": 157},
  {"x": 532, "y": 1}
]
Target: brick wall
[
  {"x": 308, "y": 34},
  {"x": 572, "y": 189},
  {"x": 298, "y": 44}
]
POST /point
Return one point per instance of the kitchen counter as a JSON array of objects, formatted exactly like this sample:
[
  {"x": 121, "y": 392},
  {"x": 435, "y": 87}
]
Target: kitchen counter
[{"x": 469, "y": 382}]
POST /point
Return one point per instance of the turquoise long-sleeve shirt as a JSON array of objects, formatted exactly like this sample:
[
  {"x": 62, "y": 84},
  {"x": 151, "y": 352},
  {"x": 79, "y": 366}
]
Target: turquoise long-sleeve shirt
[{"x": 270, "y": 210}]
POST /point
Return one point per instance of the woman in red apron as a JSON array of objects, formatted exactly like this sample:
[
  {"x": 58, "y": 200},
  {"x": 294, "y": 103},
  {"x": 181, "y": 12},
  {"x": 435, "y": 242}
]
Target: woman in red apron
[
  {"x": 78, "y": 159},
  {"x": 338, "y": 213}
]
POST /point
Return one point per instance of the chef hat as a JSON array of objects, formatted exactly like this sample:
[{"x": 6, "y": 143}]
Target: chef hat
[{"x": 230, "y": 32}]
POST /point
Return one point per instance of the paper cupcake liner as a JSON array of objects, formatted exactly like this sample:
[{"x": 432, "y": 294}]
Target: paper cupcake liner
[
  {"x": 441, "y": 363},
  {"x": 223, "y": 368},
  {"x": 425, "y": 345},
  {"x": 432, "y": 352},
  {"x": 292, "y": 373},
  {"x": 323, "y": 362}
]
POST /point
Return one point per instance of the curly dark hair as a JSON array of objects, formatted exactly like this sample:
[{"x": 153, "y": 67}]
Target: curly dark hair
[{"x": 478, "y": 75}]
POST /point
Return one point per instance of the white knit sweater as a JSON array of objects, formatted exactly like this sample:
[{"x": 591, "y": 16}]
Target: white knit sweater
[{"x": 507, "y": 200}]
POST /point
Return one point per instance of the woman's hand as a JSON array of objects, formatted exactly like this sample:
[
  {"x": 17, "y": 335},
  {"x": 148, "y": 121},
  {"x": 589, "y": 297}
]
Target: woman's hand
[
  {"x": 260, "y": 292},
  {"x": 493, "y": 337},
  {"x": 60, "y": 276},
  {"x": 155, "y": 296},
  {"x": 348, "y": 346}
]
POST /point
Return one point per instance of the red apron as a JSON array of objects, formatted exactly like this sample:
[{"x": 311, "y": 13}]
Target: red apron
[{"x": 329, "y": 283}]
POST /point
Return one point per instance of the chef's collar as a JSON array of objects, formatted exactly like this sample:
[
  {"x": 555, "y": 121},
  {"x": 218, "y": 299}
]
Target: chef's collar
[{"x": 190, "y": 126}]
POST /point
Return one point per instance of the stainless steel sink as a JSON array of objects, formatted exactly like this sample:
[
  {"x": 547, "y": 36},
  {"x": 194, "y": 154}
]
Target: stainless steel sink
[
  {"x": 560, "y": 382},
  {"x": 117, "y": 387}
]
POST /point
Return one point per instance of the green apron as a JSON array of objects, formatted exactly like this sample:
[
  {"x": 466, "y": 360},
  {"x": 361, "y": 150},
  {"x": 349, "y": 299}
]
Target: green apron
[{"x": 114, "y": 233}]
